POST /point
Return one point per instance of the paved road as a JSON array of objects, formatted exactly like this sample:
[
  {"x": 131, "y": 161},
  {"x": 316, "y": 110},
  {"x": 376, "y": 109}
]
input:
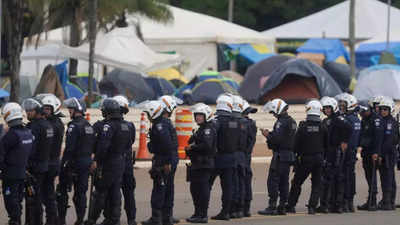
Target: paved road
[{"x": 184, "y": 208}]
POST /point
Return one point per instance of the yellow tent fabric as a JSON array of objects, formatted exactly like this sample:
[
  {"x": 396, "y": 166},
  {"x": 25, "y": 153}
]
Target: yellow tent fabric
[
  {"x": 341, "y": 60},
  {"x": 169, "y": 74}
]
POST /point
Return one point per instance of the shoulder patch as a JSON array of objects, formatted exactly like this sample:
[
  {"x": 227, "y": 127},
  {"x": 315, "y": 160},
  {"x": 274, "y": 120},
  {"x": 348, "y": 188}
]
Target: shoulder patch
[
  {"x": 49, "y": 132},
  {"x": 106, "y": 127},
  {"x": 278, "y": 124},
  {"x": 159, "y": 126},
  {"x": 377, "y": 122},
  {"x": 70, "y": 128},
  {"x": 207, "y": 131}
]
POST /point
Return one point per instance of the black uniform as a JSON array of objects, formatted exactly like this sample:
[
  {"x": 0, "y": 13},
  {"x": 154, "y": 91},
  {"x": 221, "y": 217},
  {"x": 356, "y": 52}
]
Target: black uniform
[
  {"x": 310, "y": 144},
  {"x": 15, "y": 149},
  {"x": 111, "y": 146},
  {"x": 202, "y": 151},
  {"x": 339, "y": 131},
  {"x": 75, "y": 167},
  {"x": 389, "y": 159},
  {"x": 371, "y": 137},
  {"x": 238, "y": 194},
  {"x": 248, "y": 175},
  {"x": 281, "y": 141},
  {"x": 54, "y": 161},
  {"x": 164, "y": 145},
  {"x": 228, "y": 142},
  {"x": 38, "y": 166}
]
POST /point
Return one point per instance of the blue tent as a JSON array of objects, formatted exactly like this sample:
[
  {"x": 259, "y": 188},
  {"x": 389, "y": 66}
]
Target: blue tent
[
  {"x": 366, "y": 52},
  {"x": 4, "y": 93},
  {"x": 70, "y": 89},
  {"x": 249, "y": 52},
  {"x": 160, "y": 86},
  {"x": 332, "y": 49}
]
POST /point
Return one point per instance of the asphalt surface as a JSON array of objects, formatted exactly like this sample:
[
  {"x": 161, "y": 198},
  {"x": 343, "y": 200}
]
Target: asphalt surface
[{"x": 184, "y": 208}]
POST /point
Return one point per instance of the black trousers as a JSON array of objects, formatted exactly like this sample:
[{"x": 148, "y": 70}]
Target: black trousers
[
  {"x": 278, "y": 182},
  {"x": 226, "y": 180},
  {"x": 13, "y": 193},
  {"x": 200, "y": 190},
  {"x": 308, "y": 165}
]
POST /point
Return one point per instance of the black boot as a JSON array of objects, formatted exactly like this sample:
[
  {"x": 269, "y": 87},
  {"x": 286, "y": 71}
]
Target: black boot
[
  {"x": 155, "y": 218},
  {"x": 14, "y": 222},
  {"x": 271, "y": 210},
  {"x": 322, "y": 209},
  {"x": 290, "y": 209},
  {"x": 345, "y": 206},
  {"x": 350, "y": 206},
  {"x": 132, "y": 222},
  {"x": 387, "y": 201},
  {"x": 311, "y": 210},
  {"x": 246, "y": 209},
  {"x": 221, "y": 216},
  {"x": 233, "y": 213},
  {"x": 365, "y": 206},
  {"x": 282, "y": 210},
  {"x": 52, "y": 220}
]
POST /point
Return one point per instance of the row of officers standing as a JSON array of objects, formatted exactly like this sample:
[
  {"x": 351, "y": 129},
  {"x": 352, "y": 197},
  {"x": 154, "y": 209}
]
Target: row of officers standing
[{"x": 31, "y": 158}]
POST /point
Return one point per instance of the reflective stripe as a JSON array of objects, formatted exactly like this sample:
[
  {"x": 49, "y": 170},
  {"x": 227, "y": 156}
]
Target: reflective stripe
[
  {"x": 184, "y": 133},
  {"x": 183, "y": 125},
  {"x": 183, "y": 129}
]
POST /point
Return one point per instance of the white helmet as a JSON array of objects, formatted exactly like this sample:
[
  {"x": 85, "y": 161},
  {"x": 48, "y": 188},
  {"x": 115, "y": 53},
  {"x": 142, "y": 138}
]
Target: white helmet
[
  {"x": 169, "y": 102},
  {"x": 247, "y": 108},
  {"x": 123, "y": 103},
  {"x": 387, "y": 102},
  {"x": 201, "y": 108},
  {"x": 153, "y": 108},
  {"x": 314, "y": 107},
  {"x": 375, "y": 100},
  {"x": 12, "y": 111},
  {"x": 340, "y": 96},
  {"x": 237, "y": 105},
  {"x": 276, "y": 106},
  {"x": 351, "y": 101},
  {"x": 52, "y": 101},
  {"x": 329, "y": 101},
  {"x": 225, "y": 102}
]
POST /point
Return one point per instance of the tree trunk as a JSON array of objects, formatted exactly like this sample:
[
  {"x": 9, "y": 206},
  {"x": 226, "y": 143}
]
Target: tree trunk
[
  {"x": 13, "y": 17},
  {"x": 75, "y": 37},
  {"x": 92, "y": 43},
  {"x": 352, "y": 38}
]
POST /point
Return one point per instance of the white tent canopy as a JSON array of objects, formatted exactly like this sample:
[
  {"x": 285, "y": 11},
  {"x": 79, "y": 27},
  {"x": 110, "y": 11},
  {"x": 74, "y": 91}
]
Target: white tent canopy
[
  {"x": 120, "y": 49},
  {"x": 394, "y": 36},
  {"x": 371, "y": 20}
]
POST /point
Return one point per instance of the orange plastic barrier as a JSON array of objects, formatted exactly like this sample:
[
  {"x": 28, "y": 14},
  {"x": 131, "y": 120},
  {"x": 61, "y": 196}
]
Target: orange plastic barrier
[
  {"x": 143, "y": 153},
  {"x": 184, "y": 126}
]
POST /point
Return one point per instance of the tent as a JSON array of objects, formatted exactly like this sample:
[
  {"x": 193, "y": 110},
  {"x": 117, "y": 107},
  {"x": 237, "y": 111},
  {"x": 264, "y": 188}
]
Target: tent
[
  {"x": 334, "y": 22},
  {"x": 340, "y": 73},
  {"x": 378, "y": 80},
  {"x": 120, "y": 48},
  {"x": 252, "y": 52},
  {"x": 170, "y": 74},
  {"x": 332, "y": 49},
  {"x": 197, "y": 79},
  {"x": 82, "y": 80},
  {"x": 250, "y": 87},
  {"x": 27, "y": 85},
  {"x": 297, "y": 80},
  {"x": 366, "y": 51},
  {"x": 50, "y": 83},
  {"x": 232, "y": 75},
  {"x": 196, "y": 37},
  {"x": 208, "y": 91},
  {"x": 132, "y": 85},
  {"x": 160, "y": 86}
]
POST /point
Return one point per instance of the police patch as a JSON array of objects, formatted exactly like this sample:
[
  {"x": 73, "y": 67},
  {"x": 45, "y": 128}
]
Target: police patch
[
  {"x": 389, "y": 126},
  {"x": 70, "y": 128},
  {"x": 207, "y": 131},
  {"x": 159, "y": 126},
  {"x": 377, "y": 122},
  {"x": 89, "y": 130},
  {"x": 49, "y": 133},
  {"x": 278, "y": 124},
  {"x": 124, "y": 127},
  {"x": 106, "y": 127}
]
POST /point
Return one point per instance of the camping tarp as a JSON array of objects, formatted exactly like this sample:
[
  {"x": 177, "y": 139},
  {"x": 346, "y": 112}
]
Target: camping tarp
[
  {"x": 132, "y": 85},
  {"x": 296, "y": 71},
  {"x": 334, "y": 22},
  {"x": 366, "y": 51},
  {"x": 209, "y": 90},
  {"x": 171, "y": 74},
  {"x": 250, "y": 87},
  {"x": 232, "y": 75},
  {"x": 50, "y": 83},
  {"x": 331, "y": 48},
  {"x": 160, "y": 86},
  {"x": 340, "y": 73},
  {"x": 252, "y": 52},
  {"x": 378, "y": 80},
  {"x": 197, "y": 79}
]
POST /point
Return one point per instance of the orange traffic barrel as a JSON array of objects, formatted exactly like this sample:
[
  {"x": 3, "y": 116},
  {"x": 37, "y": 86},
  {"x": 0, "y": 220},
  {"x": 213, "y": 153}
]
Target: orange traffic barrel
[
  {"x": 143, "y": 153},
  {"x": 184, "y": 126}
]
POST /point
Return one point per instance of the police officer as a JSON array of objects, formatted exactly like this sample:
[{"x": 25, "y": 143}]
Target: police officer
[
  {"x": 350, "y": 112},
  {"x": 371, "y": 137},
  {"x": 109, "y": 160},
  {"x": 339, "y": 131},
  {"x": 128, "y": 179},
  {"x": 43, "y": 132},
  {"x": 164, "y": 146},
  {"x": 228, "y": 141},
  {"x": 76, "y": 161},
  {"x": 251, "y": 141},
  {"x": 240, "y": 155},
  {"x": 310, "y": 144},
  {"x": 15, "y": 149},
  {"x": 51, "y": 108},
  {"x": 201, "y": 151},
  {"x": 280, "y": 140},
  {"x": 387, "y": 156}
]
